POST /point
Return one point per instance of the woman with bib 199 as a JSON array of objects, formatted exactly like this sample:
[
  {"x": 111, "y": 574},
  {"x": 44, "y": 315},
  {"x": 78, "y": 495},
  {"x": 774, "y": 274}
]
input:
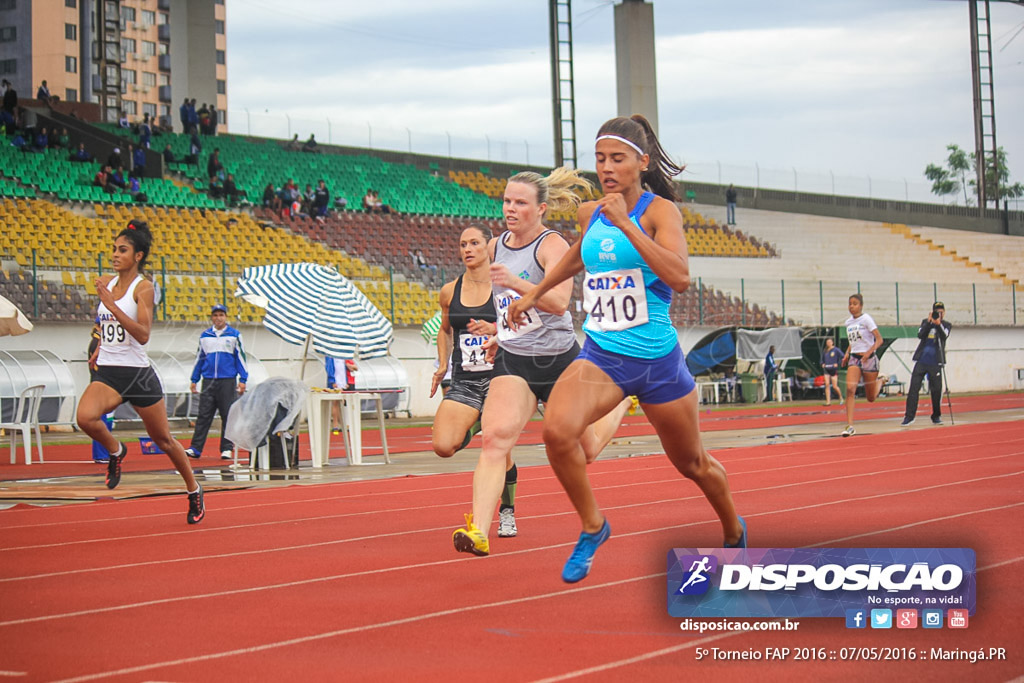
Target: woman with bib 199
[
  {"x": 634, "y": 253},
  {"x": 123, "y": 371}
]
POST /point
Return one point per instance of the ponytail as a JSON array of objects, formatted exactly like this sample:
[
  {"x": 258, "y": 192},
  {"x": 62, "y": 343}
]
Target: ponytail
[{"x": 555, "y": 189}]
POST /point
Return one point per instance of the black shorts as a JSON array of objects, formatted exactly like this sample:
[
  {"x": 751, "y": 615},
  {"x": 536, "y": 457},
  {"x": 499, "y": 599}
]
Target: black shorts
[
  {"x": 540, "y": 372},
  {"x": 831, "y": 372},
  {"x": 470, "y": 389},
  {"x": 138, "y": 386}
]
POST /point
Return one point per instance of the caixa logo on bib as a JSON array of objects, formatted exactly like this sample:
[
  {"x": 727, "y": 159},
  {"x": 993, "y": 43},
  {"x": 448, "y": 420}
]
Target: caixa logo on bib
[{"x": 821, "y": 582}]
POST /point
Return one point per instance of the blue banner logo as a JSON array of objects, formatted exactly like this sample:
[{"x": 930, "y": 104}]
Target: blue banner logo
[{"x": 820, "y": 582}]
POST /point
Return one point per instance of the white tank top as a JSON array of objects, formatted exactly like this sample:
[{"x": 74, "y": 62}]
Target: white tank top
[{"x": 117, "y": 347}]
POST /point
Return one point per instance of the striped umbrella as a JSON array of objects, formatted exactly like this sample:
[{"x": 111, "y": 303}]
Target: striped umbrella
[
  {"x": 309, "y": 300},
  {"x": 431, "y": 328}
]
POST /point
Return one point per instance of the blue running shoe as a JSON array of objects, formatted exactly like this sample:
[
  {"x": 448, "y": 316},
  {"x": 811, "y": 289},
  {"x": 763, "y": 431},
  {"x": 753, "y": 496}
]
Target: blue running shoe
[
  {"x": 578, "y": 565},
  {"x": 742, "y": 543}
]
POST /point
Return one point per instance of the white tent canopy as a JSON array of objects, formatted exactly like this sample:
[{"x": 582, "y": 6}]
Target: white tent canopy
[{"x": 753, "y": 345}]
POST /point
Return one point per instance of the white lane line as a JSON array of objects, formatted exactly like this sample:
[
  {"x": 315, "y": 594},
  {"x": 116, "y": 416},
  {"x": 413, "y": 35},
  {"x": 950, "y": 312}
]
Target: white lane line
[
  {"x": 771, "y": 455},
  {"x": 235, "y": 527},
  {"x": 386, "y": 570},
  {"x": 356, "y": 629}
]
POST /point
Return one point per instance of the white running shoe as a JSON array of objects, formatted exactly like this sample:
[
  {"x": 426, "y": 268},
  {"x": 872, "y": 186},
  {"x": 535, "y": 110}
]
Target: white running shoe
[
  {"x": 227, "y": 455},
  {"x": 849, "y": 431},
  {"x": 507, "y": 523}
]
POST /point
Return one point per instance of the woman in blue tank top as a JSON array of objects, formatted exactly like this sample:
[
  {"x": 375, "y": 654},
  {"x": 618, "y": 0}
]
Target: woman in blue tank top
[{"x": 634, "y": 255}]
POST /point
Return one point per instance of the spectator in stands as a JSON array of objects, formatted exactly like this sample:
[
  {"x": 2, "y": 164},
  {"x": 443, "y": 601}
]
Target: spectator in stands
[
  {"x": 145, "y": 132},
  {"x": 42, "y": 140},
  {"x": 213, "y": 165},
  {"x": 770, "y": 369},
  {"x": 231, "y": 191},
  {"x": 270, "y": 198},
  {"x": 293, "y": 144},
  {"x": 62, "y": 141},
  {"x": 730, "y": 205},
  {"x": 122, "y": 122},
  {"x": 830, "y": 361},
  {"x": 139, "y": 163},
  {"x": 214, "y": 120},
  {"x": 219, "y": 362},
  {"x": 321, "y": 199},
  {"x": 10, "y": 101},
  {"x": 340, "y": 204},
  {"x": 215, "y": 188},
  {"x": 114, "y": 160},
  {"x": 102, "y": 180},
  {"x": 193, "y": 116},
  {"x": 929, "y": 359},
  {"x": 195, "y": 148},
  {"x": 307, "y": 199},
  {"x": 80, "y": 154},
  {"x": 204, "y": 119},
  {"x": 420, "y": 261},
  {"x": 311, "y": 146},
  {"x": 183, "y": 115},
  {"x": 116, "y": 178},
  {"x": 43, "y": 94},
  {"x": 169, "y": 155}
]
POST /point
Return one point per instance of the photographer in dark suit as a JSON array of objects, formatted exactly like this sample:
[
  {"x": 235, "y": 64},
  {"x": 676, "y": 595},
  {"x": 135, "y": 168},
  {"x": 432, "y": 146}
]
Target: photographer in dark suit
[{"x": 930, "y": 358}]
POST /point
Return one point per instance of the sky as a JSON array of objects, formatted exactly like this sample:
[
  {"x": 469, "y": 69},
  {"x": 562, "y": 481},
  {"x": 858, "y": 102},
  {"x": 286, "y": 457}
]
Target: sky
[{"x": 855, "y": 95}]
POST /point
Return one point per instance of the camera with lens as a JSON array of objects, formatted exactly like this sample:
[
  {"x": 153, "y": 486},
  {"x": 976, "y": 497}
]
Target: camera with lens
[{"x": 935, "y": 314}]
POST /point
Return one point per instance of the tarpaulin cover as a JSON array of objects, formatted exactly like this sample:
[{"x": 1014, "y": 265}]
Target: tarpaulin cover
[{"x": 271, "y": 407}]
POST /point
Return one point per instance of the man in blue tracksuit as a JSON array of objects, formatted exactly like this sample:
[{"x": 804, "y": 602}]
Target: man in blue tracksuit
[{"x": 219, "y": 361}]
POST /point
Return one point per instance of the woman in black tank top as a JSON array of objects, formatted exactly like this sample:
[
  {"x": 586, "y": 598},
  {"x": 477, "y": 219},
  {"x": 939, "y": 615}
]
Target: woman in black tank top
[{"x": 467, "y": 320}]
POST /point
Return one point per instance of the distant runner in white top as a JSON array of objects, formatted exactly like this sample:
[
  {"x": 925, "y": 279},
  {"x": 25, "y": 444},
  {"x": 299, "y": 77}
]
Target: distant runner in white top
[{"x": 860, "y": 359}]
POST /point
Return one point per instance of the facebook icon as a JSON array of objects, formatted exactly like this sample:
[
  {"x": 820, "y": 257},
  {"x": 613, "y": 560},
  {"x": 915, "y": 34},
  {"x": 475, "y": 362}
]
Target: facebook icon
[{"x": 856, "y": 618}]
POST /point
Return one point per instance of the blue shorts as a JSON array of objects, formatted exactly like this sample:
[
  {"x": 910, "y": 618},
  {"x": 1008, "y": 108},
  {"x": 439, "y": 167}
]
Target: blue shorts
[{"x": 654, "y": 380}]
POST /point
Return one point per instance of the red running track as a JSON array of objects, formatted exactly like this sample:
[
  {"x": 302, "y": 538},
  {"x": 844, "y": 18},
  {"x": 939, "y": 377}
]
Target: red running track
[{"x": 358, "y": 581}]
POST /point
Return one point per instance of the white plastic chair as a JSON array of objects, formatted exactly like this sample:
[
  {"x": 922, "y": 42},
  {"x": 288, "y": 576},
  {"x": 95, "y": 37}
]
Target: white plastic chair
[{"x": 26, "y": 418}]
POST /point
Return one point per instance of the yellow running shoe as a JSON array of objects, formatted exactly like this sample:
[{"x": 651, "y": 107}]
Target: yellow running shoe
[
  {"x": 633, "y": 405},
  {"x": 471, "y": 539}
]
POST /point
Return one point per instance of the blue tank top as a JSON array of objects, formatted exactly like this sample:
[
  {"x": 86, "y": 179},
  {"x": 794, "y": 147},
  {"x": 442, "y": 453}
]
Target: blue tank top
[{"x": 627, "y": 305}]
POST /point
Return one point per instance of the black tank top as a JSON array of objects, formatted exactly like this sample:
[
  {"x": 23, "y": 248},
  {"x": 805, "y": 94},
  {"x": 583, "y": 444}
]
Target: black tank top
[{"x": 459, "y": 316}]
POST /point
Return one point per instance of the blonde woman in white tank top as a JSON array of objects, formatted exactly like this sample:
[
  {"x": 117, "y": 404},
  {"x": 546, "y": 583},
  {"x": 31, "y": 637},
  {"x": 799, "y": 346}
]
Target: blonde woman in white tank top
[
  {"x": 123, "y": 370},
  {"x": 513, "y": 393}
]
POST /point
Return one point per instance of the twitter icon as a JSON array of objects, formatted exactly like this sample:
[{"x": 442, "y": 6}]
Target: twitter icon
[{"x": 881, "y": 618}]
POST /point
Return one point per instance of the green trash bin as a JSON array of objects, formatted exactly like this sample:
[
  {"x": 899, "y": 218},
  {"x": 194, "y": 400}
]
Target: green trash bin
[{"x": 750, "y": 387}]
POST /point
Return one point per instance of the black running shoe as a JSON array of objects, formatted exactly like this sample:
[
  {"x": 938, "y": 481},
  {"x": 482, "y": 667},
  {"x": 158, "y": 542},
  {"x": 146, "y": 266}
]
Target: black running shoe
[
  {"x": 196, "y": 509},
  {"x": 114, "y": 466}
]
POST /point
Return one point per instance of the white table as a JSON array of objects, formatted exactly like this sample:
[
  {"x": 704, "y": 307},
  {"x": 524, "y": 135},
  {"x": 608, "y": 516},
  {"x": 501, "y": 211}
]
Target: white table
[{"x": 319, "y": 417}]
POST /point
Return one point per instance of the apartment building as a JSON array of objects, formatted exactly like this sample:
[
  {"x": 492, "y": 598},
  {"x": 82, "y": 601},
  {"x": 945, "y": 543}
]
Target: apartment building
[{"x": 136, "y": 56}]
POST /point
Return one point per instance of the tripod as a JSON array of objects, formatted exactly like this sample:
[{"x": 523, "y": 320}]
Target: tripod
[{"x": 945, "y": 380}]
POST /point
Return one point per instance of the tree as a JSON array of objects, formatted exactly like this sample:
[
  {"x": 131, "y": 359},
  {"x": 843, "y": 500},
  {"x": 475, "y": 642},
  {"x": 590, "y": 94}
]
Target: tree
[
  {"x": 1004, "y": 190},
  {"x": 953, "y": 178}
]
